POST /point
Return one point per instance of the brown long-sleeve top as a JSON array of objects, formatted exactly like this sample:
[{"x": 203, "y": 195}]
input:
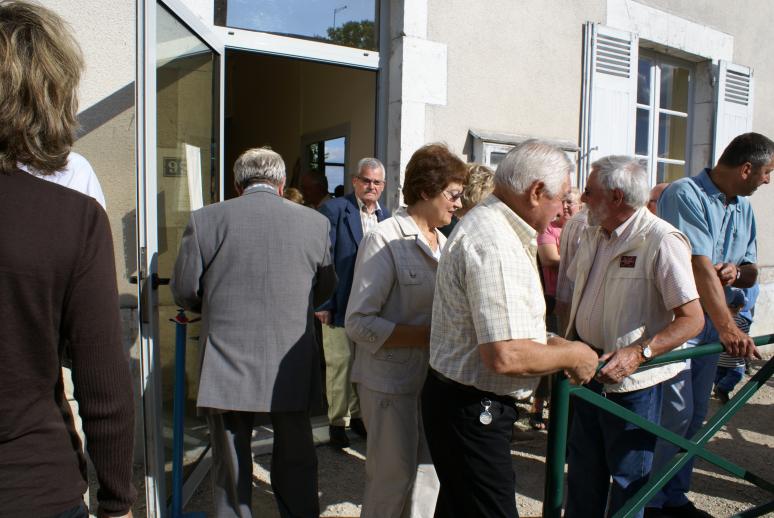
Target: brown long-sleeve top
[{"x": 57, "y": 287}]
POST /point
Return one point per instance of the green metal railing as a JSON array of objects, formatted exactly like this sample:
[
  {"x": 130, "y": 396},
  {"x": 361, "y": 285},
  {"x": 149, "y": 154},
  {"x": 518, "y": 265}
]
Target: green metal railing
[{"x": 690, "y": 448}]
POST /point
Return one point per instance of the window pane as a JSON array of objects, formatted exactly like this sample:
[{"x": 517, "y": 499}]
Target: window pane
[
  {"x": 335, "y": 174},
  {"x": 643, "y": 81},
  {"x": 671, "y": 136},
  {"x": 495, "y": 157},
  {"x": 641, "y": 134},
  {"x": 334, "y": 150},
  {"x": 674, "y": 88},
  {"x": 669, "y": 172},
  {"x": 350, "y": 23}
]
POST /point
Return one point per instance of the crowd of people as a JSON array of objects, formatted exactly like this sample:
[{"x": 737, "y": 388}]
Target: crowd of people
[{"x": 436, "y": 319}]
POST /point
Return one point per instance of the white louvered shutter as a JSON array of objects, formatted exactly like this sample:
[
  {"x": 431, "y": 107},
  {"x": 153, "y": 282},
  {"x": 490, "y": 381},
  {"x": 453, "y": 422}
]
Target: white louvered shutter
[
  {"x": 734, "y": 112},
  {"x": 609, "y": 94}
]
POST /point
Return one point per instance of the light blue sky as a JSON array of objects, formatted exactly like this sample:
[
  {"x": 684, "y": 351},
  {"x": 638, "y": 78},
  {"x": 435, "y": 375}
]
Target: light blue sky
[{"x": 302, "y": 17}]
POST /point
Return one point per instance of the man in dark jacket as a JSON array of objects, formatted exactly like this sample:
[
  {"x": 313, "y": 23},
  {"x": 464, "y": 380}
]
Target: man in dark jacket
[{"x": 351, "y": 216}]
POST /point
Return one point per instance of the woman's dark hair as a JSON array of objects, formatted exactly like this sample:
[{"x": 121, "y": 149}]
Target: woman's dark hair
[{"x": 430, "y": 169}]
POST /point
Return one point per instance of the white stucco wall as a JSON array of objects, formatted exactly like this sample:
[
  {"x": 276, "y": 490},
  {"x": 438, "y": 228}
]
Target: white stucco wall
[{"x": 512, "y": 68}]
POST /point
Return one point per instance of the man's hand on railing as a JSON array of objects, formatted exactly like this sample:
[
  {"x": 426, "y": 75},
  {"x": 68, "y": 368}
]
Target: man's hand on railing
[
  {"x": 585, "y": 365},
  {"x": 737, "y": 342},
  {"x": 620, "y": 364}
]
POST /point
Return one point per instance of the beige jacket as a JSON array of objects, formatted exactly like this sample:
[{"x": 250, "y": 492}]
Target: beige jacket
[
  {"x": 634, "y": 310},
  {"x": 393, "y": 284}
]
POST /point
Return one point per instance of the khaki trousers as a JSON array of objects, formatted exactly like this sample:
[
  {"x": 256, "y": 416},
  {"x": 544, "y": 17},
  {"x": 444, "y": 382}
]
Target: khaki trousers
[
  {"x": 400, "y": 476},
  {"x": 343, "y": 402}
]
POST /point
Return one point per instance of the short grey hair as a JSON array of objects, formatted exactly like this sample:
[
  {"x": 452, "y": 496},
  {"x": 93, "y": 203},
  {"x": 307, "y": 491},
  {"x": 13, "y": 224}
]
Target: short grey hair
[
  {"x": 626, "y": 174},
  {"x": 370, "y": 163},
  {"x": 259, "y": 164},
  {"x": 532, "y": 161}
]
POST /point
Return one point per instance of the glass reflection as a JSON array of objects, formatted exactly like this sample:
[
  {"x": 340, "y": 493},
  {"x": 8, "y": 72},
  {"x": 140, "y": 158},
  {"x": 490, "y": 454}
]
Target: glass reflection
[
  {"x": 672, "y": 131},
  {"x": 351, "y": 23},
  {"x": 643, "y": 80},
  {"x": 674, "y": 88},
  {"x": 641, "y": 132},
  {"x": 669, "y": 172}
]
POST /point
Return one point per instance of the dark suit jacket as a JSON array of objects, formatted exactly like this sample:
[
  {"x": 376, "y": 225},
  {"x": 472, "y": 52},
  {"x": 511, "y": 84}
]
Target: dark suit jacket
[
  {"x": 346, "y": 233},
  {"x": 256, "y": 266}
]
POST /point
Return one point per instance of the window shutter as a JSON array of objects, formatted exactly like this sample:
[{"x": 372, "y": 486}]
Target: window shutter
[
  {"x": 734, "y": 112},
  {"x": 609, "y": 104}
]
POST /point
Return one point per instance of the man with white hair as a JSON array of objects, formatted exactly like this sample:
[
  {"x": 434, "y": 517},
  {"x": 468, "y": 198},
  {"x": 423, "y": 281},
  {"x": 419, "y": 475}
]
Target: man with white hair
[
  {"x": 634, "y": 299},
  {"x": 255, "y": 266},
  {"x": 488, "y": 335}
]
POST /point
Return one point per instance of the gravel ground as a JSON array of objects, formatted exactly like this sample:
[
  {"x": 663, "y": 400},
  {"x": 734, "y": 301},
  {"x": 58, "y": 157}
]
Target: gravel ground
[{"x": 747, "y": 440}]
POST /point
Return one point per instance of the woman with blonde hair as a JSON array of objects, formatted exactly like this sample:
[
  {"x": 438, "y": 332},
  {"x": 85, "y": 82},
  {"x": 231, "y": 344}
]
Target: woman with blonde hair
[{"x": 58, "y": 280}]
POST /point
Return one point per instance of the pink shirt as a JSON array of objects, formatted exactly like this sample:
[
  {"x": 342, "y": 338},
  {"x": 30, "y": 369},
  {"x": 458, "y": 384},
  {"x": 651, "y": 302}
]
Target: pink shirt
[{"x": 550, "y": 236}]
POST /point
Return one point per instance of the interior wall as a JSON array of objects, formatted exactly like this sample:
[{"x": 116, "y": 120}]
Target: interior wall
[{"x": 276, "y": 101}]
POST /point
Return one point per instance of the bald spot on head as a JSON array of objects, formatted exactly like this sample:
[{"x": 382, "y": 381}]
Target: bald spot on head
[{"x": 655, "y": 194}]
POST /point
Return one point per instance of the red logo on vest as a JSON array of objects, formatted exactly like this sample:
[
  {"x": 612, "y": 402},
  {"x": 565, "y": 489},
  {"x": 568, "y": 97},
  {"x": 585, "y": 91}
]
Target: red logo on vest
[{"x": 628, "y": 261}]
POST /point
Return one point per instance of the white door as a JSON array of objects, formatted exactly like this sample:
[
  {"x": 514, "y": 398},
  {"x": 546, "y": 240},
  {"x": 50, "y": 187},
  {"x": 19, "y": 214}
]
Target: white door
[{"x": 179, "y": 159}]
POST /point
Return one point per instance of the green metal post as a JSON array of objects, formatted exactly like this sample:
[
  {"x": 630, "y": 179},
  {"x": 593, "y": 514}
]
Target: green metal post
[{"x": 557, "y": 447}]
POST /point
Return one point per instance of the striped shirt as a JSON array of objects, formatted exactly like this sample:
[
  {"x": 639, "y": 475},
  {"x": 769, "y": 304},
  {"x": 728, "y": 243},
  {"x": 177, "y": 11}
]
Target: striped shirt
[{"x": 487, "y": 290}]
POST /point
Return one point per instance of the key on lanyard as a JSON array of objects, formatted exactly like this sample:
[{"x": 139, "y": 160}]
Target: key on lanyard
[{"x": 486, "y": 416}]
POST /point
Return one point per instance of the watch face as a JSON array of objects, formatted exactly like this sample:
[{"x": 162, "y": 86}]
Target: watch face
[{"x": 646, "y": 352}]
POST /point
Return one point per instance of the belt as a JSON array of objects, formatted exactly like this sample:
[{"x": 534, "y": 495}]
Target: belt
[{"x": 468, "y": 389}]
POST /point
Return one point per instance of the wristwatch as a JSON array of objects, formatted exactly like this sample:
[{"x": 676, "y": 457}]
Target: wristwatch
[{"x": 645, "y": 351}]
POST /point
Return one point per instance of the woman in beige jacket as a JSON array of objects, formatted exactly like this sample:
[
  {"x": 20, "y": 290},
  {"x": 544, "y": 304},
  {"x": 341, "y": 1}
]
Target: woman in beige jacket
[{"x": 388, "y": 318}]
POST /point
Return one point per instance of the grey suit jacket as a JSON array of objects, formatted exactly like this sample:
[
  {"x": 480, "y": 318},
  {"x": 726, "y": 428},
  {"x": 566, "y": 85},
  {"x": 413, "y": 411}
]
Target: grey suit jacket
[
  {"x": 255, "y": 267},
  {"x": 394, "y": 284}
]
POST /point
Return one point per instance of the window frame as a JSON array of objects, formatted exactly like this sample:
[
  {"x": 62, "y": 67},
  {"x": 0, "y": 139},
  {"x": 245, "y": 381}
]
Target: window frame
[{"x": 653, "y": 160}]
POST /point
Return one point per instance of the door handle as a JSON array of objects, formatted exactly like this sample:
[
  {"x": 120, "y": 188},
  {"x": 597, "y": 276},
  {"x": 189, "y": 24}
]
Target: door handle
[{"x": 157, "y": 281}]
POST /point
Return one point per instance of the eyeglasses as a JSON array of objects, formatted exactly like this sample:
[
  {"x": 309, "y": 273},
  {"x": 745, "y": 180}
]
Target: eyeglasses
[
  {"x": 570, "y": 202},
  {"x": 368, "y": 181},
  {"x": 453, "y": 196}
]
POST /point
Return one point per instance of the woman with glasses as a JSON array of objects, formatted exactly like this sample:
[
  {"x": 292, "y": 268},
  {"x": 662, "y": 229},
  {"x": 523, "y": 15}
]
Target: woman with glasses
[
  {"x": 388, "y": 318},
  {"x": 548, "y": 254}
]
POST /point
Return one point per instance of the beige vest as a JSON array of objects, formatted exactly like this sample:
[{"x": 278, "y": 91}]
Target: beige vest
[{"x": 633, "y": 308}]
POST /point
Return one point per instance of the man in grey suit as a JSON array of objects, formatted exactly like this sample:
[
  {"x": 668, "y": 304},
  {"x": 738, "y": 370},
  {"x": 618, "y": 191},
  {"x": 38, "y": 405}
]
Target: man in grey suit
[{"x": 255, "y": 267}]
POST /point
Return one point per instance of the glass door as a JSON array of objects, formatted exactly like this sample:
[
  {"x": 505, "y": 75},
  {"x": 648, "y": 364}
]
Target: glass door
[{"x": 180, "y": 171}]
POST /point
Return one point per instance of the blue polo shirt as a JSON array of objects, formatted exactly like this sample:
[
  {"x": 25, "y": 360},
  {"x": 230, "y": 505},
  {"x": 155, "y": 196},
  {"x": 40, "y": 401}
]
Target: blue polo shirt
[{"x": 725, "y": 233}]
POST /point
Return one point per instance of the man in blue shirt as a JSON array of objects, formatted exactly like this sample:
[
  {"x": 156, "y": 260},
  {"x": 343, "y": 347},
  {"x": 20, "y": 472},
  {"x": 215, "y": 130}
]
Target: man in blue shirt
[{"x": 713, "y": 211}]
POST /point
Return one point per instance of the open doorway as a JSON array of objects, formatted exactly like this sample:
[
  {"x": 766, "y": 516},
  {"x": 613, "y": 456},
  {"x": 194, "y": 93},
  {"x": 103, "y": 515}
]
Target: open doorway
[{"x": 318, "y": 116}]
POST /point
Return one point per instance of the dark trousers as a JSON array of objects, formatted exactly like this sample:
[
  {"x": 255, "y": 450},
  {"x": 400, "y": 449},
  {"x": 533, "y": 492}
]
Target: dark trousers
[
  {"x": 602, "y": 447},
  {"x": 472, "y": 460},
  {"x": 293, "y": 464}
]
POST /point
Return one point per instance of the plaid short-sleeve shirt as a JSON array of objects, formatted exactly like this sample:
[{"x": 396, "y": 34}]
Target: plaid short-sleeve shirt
[{"x": 487, "y": 289}]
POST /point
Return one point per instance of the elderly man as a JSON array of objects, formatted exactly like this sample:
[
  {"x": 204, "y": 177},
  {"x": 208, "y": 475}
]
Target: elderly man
[
  {"x": 712, "y": 209},
  {"x": 350, "y": 216},
  {"x": 254, "y": 266},
  {"x": 634, "y": 299},
  {"x": 488, "y": 334},
  {"x": 314, "y": 187}
]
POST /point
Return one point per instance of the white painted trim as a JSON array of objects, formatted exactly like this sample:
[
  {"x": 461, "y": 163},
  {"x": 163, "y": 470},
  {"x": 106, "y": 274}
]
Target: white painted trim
[
  {"x": 266, "y": 43},
  {"x": 145, "y": 93},
  {"x": 670, "y": 30}
]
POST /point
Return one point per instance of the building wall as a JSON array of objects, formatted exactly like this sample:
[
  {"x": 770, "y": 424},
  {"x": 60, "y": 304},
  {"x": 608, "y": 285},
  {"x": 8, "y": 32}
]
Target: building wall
[
  {"x": 518, "y": 71},
  {"x": 106, "y": 34},
  {"x": 512, "y": 69}
]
